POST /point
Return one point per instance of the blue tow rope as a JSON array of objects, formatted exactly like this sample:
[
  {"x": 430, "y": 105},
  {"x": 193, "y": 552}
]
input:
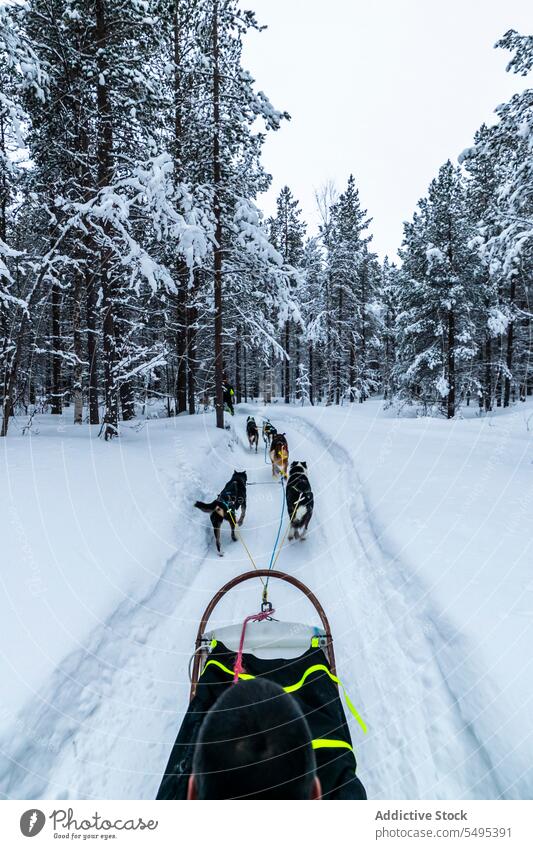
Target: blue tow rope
[
  {"x": 266, "y": 440},
  {"x": 265, "y": 589},
  {"x": 280, "y": 524}
]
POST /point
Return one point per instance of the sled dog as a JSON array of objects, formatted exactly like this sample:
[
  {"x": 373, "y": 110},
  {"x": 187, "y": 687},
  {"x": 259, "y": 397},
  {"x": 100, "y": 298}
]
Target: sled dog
[
  {"x": 300, "y": 501},
  {"x": 252, "y": 433},
  {"x": 268, "y": 432},
  {"x": 279, "y": 455},
  {"x": 225, "y": 506}
]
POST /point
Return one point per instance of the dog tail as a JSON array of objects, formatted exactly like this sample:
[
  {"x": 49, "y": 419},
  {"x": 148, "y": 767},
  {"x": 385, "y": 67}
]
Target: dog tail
[
  {"x": 207, "y": 508},
  {"x": 300, "y": 513}
]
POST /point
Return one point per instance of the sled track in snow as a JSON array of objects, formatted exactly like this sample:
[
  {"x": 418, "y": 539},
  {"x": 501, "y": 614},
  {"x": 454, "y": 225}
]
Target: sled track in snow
[
  {"x": 432, "y": 766},
  {"x": 389, "y": 646},
  {"x": 102, "y": 676}
]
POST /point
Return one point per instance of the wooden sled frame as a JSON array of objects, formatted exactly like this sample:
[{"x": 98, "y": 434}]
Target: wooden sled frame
[{"x": 200, "y": 651}]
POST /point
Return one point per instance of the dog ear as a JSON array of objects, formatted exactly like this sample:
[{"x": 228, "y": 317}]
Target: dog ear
[{"x": 304, "y": 464}]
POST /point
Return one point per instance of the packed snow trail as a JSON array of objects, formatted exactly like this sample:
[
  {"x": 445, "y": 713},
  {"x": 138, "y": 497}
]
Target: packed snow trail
[{"x": 103, "y": 726}]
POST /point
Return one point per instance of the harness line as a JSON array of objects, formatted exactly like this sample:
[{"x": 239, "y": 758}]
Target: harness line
[
  {"x": 273, "y": 559},
  {"x": 241, "y": 539},
  {"x": 255, "y": 617},
  {"x": 280, "y": 523},
  {"x": 289, "y": 523}
]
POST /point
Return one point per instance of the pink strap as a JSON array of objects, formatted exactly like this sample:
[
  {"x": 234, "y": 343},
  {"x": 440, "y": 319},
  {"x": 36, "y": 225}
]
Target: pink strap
[{"x": 255, "y": 617}]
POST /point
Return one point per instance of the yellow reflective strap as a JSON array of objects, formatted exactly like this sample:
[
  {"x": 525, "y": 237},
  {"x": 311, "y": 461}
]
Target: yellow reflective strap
[
  {"x": 292, "y": 688},
  {"x": 331, "y": 744},
  {"x": 221, "y": 666},
  {"x": 315, "y": 642},
  {"x": 319, "y": 667},
  {"x": 214, "y": 644},
  {"x": 353, "y": 710}
]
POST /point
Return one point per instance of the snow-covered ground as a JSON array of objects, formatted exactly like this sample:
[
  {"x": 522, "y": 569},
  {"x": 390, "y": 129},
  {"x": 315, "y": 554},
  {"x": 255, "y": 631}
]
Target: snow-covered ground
[{"x": 420, "y": 551}]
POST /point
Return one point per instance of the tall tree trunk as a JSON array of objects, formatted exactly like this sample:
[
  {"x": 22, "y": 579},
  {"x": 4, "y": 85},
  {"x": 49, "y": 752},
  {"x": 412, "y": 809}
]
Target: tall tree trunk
[
  {"x": 56, "y": 394},
  {"x": 88, "y": 253},
  {"x": 217, "y": 259},
  {"x": 498, "y": 388},
  {"x": 13, "y": 363},
  {"x": 339, "y": 352},
  {"x": 167, "y": 386},
  {"x": 451, "y": 336},
  {"x": 10, "y": 379},
  {"x": 181, "y": 341},
  {"x": 84, "y": 177},
  {"x": 238, "y": 378},
  {"x": 92, "y": 346},
  {"x": 124, "y": 385},
  {"x": 451, "y": 365},
  {"x": 387, "y": 373},
  {"x": 110, "y": 387},
  {"x": 78, "y": 351},
  {"x": 328, "y": 359},
  {"x": 182, "y": 271},
  {"x": 191, "y": 358},
  {"x": 105, "y": 173},
  {"x": 6, "y": 360},
  {"x": 509, "y": 348},
  {"x": 362, "y": 357},
  {"x": 287, "y": 364},
  {"x": 127, "y": 400},
  {"x": 487, "y": 389},
  {"x": 352, "y": 369},
  {"x": 296, "y": 366},
  {"x": 311, "y": 376},
  {"x": 18, "y": 341}
]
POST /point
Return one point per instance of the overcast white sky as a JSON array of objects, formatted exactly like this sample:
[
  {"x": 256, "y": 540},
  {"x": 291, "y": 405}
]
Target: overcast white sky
[{"x": 386, "y": 89}]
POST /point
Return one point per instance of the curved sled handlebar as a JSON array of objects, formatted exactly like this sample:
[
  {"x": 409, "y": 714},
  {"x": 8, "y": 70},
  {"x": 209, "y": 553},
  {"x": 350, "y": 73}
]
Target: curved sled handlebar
[{"x": 198, "y": 656}]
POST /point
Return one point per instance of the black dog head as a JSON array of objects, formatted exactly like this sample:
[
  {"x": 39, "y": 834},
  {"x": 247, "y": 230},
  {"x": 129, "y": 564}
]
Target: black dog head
[
  {"x": 298, "y": 463},
  {"x": 242, "y": 476}
]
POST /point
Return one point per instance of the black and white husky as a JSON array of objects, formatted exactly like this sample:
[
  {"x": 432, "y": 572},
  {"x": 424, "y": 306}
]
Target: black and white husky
[
  {"x": 300, "y": 501},
  {"x": 225, "y": 506},
  {"x": 252, "y": 432}
]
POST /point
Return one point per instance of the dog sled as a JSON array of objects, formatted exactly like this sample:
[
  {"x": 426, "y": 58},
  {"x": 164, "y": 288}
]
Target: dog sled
[{"x": 298, "y": 657}]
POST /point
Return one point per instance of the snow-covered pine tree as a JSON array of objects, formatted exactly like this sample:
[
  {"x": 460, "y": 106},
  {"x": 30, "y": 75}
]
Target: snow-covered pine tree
[
  {"x": 287, "y": 231},
  {"x": 235, "y": 171},
  {"x": 387, "y": 299},
  {"x": 102, "y": 140},
  {"x": 350, "y": 275},
  {"x": 490, "y": 316},
  {"x": 510, "y": 248},
  {"x": 314, "y": 311},
  {"x": 21, "y": 276},
  {"x": 435, "y": 335},
  {"x": 326, "y": 198}
]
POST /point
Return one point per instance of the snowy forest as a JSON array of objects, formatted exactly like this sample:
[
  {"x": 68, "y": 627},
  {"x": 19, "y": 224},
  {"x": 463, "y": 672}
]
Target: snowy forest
[
  {"x": 170, "y": 234},
  {"x": 136, "y": 264}
]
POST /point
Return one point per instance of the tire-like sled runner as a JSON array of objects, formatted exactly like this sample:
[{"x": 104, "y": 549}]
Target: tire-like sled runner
[{"x": 300, "y": 658}]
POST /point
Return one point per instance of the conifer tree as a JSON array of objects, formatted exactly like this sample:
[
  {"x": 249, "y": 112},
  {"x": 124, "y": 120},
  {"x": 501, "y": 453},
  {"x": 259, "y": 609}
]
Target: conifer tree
[
  {"x": 287, "y": 234},
  {"x": 436, "y": 334}
]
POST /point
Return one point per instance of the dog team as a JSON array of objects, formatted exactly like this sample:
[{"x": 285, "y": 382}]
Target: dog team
[{"x": 298, "y": 492}]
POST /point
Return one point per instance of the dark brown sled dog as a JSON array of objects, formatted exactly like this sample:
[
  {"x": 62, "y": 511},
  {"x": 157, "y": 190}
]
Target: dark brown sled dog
[
  {"x": 252, "y": 433},
  {"x": 225, "y": 506}
]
